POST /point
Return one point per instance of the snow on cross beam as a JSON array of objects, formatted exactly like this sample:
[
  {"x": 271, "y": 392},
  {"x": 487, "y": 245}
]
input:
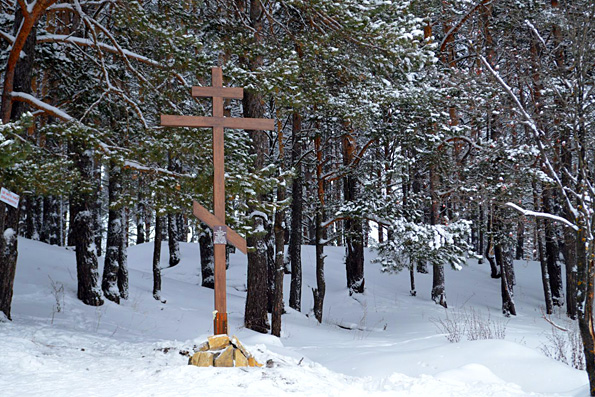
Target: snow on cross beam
[{"x": 218, "y": 123}]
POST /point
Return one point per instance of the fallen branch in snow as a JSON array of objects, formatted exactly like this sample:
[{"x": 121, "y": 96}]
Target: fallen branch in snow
[
  {"x": 542, "y": 215},
  {"x": 549, "y": 320}
]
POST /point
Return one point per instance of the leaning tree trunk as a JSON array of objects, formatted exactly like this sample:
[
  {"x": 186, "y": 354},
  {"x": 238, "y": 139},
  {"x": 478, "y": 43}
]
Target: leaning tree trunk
[
  {"x": 207, "y": 257},
  {"x": 295, "y": 239},
  {"x": 115, "y": 231},
  {"x": 506, "y": 270}
]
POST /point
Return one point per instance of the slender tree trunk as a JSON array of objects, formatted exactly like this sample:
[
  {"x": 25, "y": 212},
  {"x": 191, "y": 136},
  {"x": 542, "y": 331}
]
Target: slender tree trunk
[
  {"x": 141, "y": 209},
  {"x": 295, "y": 239},
  {"x": 412, "y": 290},
  {"x": 157, "y": 259},
  {"x": 98, "y": 211},
  {"x": 279, "y": 265},
  {"x": 489, "y": 254},
  {"x": 438, "y": 281},
  {"x": 520, "y": 241},
  {"x": 271, "y": 265}
]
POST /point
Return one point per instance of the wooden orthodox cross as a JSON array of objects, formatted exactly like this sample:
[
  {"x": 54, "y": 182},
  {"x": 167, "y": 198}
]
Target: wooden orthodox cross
[{"x": 222, "y": 234}]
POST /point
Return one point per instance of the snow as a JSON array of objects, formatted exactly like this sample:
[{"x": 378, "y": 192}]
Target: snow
[{"x": 380, "y": 343}]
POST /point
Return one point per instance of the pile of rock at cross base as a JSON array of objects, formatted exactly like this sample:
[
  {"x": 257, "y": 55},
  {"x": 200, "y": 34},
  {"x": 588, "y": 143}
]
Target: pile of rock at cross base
[{"x": 223, "y": 351}]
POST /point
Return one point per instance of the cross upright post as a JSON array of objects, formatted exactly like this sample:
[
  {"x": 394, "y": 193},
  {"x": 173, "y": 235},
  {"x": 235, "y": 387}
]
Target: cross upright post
[{"x": 222, "y": 234}]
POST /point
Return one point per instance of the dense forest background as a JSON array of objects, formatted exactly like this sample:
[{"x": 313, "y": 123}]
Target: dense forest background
[{"x": 432, "y": 130}]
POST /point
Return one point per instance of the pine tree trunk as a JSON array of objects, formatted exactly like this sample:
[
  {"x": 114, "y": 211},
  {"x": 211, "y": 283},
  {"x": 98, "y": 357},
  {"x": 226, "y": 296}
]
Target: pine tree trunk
[
  {"x": 83, "y": 231},
  {"x": 297, "y": 199},
  {"x": 157, "y": 259},
  {"x": 354, "y": 235},
  {"x": 508, "y": 307},
  {"x": 182, "y": 223},
  {"x": 279, "y": 265},
  {"x": 111, "y": 267},
  {"x": 585, "y": 300},
  {"x": 438, "y": 281},
  {"x": 9, "y": 224},
  {"x": 173, "y": 240},
  {"x": 571, "y": 276},
  {"x": 552, "y": 253},
  {"x": 207, "y": 258},
  {"x": 545, "y": 278},
  {"x": 141, "y": 215},
  {"x": 255, "y": 316},
  {"x": 412, "y": 290},
  {"x": 520, "y": 241},
  {"x": 271, "y": 265},
  {"x": 320, "y": 289},
  {"x": 98, "y": 211}
]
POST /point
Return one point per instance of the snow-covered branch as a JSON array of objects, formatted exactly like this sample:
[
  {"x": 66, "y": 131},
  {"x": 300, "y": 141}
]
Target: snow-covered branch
[
  {"x": 57, "y": 38},
  {"x": 542, "y": 215},
  {"x": 7, "y": 37},
  {"x": 46, "y": 107},
  {"x": 536, "y": 33}
]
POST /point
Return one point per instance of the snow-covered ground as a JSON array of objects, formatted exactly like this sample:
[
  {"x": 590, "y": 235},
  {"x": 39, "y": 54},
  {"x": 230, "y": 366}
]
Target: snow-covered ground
[{"x": 382, "y": 343}]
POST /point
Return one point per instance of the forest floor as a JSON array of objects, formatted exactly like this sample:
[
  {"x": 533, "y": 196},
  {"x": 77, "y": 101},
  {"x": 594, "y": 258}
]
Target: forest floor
[{"x": 384, "y": 342}]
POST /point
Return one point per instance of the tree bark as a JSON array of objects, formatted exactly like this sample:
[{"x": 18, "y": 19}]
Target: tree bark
[
  {"x": 157, "y": 259},
  {"x": 173, "y": 240},
  {"x": 506, "y": 270},
  {"x": 552, "y": 253},
  {"x": 320, "y": 289},
  {"x": 354, "y": 235},
  {"x": 279, "y": 263},
  {"x": 295, "y": 239},
  {"x": 115, "y": 231},
  {"x": 207, "y": 257},
  {"x": 438, "y": 280},
  {"x": 9, "y": 224}
]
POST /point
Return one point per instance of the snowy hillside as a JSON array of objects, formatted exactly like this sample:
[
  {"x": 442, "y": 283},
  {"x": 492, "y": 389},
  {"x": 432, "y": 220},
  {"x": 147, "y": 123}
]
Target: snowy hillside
[{"x": 383, "y": 343}]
